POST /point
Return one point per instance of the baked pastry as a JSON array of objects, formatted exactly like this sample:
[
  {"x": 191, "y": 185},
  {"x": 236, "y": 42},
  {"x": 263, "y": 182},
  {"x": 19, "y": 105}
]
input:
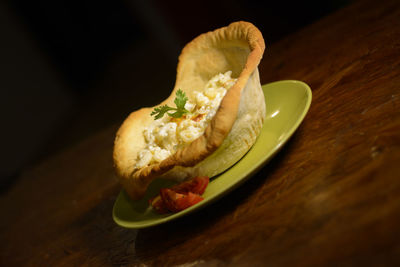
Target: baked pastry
[{"x": 225, "y": 60}]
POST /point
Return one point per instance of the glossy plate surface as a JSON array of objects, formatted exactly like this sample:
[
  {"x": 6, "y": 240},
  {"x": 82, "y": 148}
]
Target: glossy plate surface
[{"x": 287, "y": 103}]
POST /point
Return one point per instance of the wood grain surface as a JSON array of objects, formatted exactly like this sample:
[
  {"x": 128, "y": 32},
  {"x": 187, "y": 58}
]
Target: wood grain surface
[{"x": 330, "y": 197}]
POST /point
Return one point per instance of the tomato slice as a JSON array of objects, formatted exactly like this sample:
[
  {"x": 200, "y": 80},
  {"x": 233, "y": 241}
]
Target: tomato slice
[
  {"x": 181, "y": 196},
  {"x": 175, "y": 202},
  {"x": 196, "y": 185}
]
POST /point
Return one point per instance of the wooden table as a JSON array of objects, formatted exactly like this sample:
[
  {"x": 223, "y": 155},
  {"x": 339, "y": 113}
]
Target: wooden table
[{"x": 330, "y": 197}]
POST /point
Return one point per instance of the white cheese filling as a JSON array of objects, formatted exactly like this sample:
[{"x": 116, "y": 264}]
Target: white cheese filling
[{"x": 164, "y": 136}]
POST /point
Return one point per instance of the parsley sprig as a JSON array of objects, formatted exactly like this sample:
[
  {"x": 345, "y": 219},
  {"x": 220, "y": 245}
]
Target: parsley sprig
[{"x": 180, "y": 101}]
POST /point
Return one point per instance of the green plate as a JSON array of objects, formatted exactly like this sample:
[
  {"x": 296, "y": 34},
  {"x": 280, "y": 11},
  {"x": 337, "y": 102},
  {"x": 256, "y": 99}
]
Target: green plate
[{"x": 287, "y": 104}]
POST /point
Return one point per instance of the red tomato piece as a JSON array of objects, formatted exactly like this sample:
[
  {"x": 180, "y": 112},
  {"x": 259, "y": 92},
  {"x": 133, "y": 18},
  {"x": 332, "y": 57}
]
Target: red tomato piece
[
  {"x": 190, "y": 200},
  {"x": 180, "y": 196},
  {"x": 196, "y": 185},
  {"x": 175, "y": 202},
  {"x": 170, "y": 199}
]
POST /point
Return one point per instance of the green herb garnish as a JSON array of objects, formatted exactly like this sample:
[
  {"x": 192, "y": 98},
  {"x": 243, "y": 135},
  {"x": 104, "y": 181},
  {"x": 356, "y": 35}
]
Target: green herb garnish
[{"x": 180, "y": 101}]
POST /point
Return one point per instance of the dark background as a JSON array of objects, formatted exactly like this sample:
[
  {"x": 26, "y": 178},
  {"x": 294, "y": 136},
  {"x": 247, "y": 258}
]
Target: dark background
[{"x": 71, "y": 68}]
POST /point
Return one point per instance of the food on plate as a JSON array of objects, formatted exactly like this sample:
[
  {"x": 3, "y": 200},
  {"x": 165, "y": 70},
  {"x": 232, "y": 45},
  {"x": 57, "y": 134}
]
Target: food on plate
[
  {"x": 181, "y": 196},
  {"x": 211, "y": 119},
  {"x": 177, "y": 129}
]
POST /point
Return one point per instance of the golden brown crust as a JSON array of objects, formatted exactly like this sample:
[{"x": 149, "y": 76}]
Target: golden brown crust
[{"x": 238, "y": 47}]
